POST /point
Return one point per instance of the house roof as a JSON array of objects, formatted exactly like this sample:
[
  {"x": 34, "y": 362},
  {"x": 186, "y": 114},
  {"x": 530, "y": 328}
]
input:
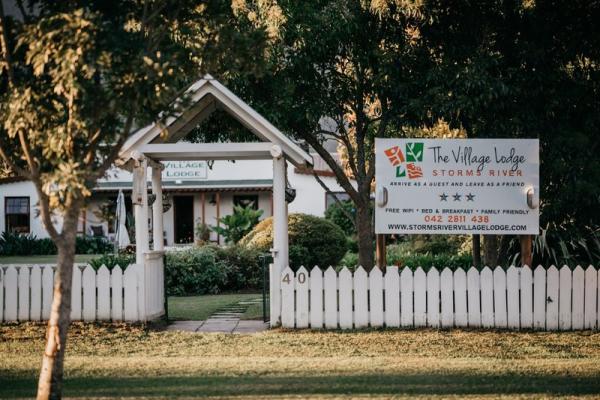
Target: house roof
[
  {"x": 201, "y": 99},
  {"x": 183, "y": 185}
]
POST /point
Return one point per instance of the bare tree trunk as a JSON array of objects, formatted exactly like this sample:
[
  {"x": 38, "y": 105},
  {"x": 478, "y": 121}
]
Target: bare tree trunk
[
  {"x": 490, "y": 250},
  {"x": 477, "y": 250},
  {"x": 51, "y": 374},
  {"x": 364, "y": 227}
]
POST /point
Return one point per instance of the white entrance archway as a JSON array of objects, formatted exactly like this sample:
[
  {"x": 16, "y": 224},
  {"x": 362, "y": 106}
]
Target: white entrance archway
[{"x": 154, "y": 143}]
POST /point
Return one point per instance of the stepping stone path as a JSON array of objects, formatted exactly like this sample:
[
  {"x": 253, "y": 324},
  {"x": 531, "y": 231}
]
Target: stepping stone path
[{"x": 224, "y": 320}]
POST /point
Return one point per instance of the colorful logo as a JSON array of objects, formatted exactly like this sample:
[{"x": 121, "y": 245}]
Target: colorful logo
[{"x": 406, "y": 165}]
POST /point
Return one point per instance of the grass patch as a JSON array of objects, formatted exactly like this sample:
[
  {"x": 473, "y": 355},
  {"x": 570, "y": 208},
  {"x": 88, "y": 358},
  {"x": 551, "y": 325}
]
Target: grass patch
[
  {"x": 132, "y": 361},
  {"x": 49, "y": 259},
  {"x": 201, "y": 307}
]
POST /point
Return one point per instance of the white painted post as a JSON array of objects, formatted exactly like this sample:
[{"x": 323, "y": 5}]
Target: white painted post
[
  {"x": 391, "y": 282},
  {"x": 433, "y": 297},
  {"x": 564, "y": 299},
  {"x": 526, "y": 297},
  {"x": 578, "y": 297},
  {"x": 331, "y": 299},
  {"x": 280, "y": 229},
  {"x": 376, "y": 297},
  {"x": 446, "y": 292},
  {"x": 345, "y": 284},
  {"x": 280, "y": 217},
  {"x": 406, "y": 297},
  {"x": 487, "y": 297},
  {"x": 420, "y": 297},
  {"x": 116, "y": 283},
  {"x": 139, "y": 199},
  {"x": 552, "y": 279},
  {"x": 157, "y": 209},
  {"x": 274, "y": 295},
  {"x": 76, "y": 294},
  {"x": 36, "y": 293},
  {"x": 130, "y": 285},
  {"x": 103, "y": 301},
  {"x": 302, "y": 285},
  {"x": 287, "y": 298},
  {"x": 361, "y": 299},
  {"x": 460, "y": 298},
  {"x": 473, "y": 297},
  {"x": 10, "y": 293},
  {"x": 88, "y": 282},
  {"x": 23, "y": 292},
  {"x": 1, "y": 294},
  {"x": 500, "y": 316},
  {"x": 591, "y": 292},
  {"x": 539, "y": 298},
  {"x": 316, "y": 298},
  {"x": 512, "y": 297}
]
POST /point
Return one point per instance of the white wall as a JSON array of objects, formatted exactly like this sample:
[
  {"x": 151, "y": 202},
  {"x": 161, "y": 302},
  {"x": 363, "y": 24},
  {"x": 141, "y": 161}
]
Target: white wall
[
  {"x": 310, "y": 196},
  {"x": 25, "y": 189}
]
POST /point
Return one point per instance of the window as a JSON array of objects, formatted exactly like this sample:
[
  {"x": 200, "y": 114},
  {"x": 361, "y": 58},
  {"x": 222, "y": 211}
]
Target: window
[
  {"x": 330, "y": 198},
  {"x": 16, "y": 214},
  {"x": 246, "y": 200}
]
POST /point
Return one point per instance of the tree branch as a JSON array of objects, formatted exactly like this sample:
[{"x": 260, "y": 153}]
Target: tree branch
[
  {"x": 4, "y": 46},
  {"x": 338, "y": 201}
]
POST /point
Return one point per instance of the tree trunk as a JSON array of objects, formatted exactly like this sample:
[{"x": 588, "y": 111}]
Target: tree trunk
[
  {"x": 51, "y": 375},
  {"x": 364, "y": 227},
  {"x": 490, "y": 250},
  {"x": 477, "y": 250}
]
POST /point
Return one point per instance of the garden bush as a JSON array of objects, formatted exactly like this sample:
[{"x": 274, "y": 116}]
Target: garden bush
[
  {"x": 111, "y": 260},
  {"x": 196, "y": 271},
  {"x": 244, "y": 269},
  {"x": 338, "y": 213},
  {"x": 313, "y": 240},
  {"x": 14, "y": 244}
]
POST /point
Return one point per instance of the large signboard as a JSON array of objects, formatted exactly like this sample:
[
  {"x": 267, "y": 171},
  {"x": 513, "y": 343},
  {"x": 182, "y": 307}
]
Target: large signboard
[
  {"x": 457, "y": 186},
  {"x": 184, "y": 170}
]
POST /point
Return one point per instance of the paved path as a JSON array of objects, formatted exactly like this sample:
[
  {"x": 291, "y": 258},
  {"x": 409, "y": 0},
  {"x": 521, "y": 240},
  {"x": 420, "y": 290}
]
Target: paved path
[
  {"x": 219, "y": 325},
  {"x": 225, "y": 320}
]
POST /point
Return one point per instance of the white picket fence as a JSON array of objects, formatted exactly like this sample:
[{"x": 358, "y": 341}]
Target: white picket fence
[
  {"x": 518, "y": 298},
  {"x": 26, "y": 292}
]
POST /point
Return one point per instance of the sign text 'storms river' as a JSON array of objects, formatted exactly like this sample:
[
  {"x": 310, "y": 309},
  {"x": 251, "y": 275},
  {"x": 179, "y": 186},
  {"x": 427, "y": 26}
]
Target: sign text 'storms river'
[{"x": 456, "y": 186}]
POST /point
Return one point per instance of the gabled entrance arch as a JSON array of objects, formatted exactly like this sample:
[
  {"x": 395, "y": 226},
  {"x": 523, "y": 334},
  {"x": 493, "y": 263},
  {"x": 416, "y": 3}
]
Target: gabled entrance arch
[{"x": 156, "y": 142}]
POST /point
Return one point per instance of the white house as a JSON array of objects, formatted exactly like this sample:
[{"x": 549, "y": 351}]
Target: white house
[{"x": 195, "y": 192}]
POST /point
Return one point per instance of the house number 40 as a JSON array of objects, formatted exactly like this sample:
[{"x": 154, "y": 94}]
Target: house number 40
[{"x": 301, "y": 278}]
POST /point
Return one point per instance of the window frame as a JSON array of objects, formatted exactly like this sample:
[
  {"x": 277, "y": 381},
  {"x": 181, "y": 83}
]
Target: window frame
[{"x": 6, "y": 214}]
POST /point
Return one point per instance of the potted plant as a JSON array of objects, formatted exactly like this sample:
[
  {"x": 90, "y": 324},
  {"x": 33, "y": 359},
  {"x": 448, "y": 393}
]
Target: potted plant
[{"x": 202, "y": 233}]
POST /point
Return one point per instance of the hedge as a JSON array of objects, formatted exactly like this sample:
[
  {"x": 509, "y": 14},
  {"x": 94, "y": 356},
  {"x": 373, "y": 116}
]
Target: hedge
[
  {"x": 13, "y": 244},
  {"x": 313, "y": 240}
]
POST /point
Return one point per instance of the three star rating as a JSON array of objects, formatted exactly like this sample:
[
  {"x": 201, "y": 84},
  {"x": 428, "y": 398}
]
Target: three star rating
[{"x": 457, "y": 197}]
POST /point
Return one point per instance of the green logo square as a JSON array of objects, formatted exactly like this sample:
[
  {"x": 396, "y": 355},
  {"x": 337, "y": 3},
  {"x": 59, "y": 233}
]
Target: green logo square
[
  {"x": 414, "y": 152},
  {"x": 400, "y": 171}
]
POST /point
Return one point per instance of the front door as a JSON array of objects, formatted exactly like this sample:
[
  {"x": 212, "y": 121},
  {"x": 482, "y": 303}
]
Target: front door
[{"x": 183, "y": 219}]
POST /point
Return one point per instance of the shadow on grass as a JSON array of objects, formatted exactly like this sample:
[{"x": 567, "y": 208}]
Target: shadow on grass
[{"x": 305, "y": 386}]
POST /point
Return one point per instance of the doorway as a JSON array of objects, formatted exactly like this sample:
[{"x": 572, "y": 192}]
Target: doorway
[{"x": 183, "y": 219}]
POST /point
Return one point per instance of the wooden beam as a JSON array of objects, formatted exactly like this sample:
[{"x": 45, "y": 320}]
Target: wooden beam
[
  {"x": 207, "y": 151},
  {"x": 218, "y": 198},
  {"x": 526, "y": 250}
]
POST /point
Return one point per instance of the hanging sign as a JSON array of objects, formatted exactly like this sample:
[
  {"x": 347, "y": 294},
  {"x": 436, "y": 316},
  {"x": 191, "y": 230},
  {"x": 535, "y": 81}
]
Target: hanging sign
[
  {"x": 184, "y": 170},
  {"x": 457, "y": 186}
]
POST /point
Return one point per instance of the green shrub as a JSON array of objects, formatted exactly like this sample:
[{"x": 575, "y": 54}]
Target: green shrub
[
  {"x": 244, "y": 268},
  {"x": 313, "y": 240},
  {"x": 350, "y": 259},
  {"x": 14, "y": 244},
  {"x": 434, "y": 244},
  {"x": 195, "y": 271},
  {"x": 92, "y": 245},
  {"x": 237, "y": 225},
  {"x": 338, "y": 214},
  {"x": 111, "y": 260}
]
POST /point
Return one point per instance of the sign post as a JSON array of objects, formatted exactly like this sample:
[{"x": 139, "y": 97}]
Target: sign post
[{"x": 458, "y": 186}]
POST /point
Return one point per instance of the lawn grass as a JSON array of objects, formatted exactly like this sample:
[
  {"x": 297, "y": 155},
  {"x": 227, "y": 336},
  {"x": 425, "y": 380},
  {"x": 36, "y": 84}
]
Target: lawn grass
[
  {"x": 201, "y": 307},
  {"x": 79, "y": 258},
  {"x": 130, "y": 361}
]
